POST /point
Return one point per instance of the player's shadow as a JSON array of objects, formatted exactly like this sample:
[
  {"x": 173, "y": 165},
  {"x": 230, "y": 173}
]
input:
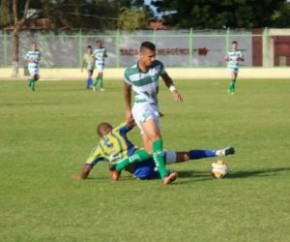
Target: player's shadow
[
  {"x": 201, "y": 176},
  {"x": 261, "y": 173},
  {"x": 197, "y": 175}
]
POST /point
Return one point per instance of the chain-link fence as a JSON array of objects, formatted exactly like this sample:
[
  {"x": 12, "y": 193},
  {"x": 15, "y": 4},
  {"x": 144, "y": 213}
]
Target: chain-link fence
[{"x": 176, "y": 48}]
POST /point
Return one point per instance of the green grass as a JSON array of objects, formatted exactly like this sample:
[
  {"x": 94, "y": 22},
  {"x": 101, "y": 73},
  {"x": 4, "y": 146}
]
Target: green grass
[{"x": 46, "y": 136}]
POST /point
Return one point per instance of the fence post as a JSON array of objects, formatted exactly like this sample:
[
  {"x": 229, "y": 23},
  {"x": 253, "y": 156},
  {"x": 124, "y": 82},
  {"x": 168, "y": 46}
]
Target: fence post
[
  {"x": 227, "y": 39},
  {"x": 154, "y": 36},
  {"x": 117, "y": 48},
  {"x": 5, "y": 48},
  {"x": 265, "y": 47},
  {"x": 80, "y": 43},
  {"x": 190, "y": 47},
  {"x": 42, "y": 43}
]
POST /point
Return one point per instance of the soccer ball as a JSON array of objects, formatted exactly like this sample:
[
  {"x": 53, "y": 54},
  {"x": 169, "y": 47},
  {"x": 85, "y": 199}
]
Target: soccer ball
[{"x": 219, "y": 169}]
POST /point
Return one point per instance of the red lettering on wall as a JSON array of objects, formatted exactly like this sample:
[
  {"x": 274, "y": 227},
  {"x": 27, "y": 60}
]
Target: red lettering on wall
[
  {"x": 202, "y": 51},
  {"x": 167, "y": 51},
  {"x": 129, "y": 52}
]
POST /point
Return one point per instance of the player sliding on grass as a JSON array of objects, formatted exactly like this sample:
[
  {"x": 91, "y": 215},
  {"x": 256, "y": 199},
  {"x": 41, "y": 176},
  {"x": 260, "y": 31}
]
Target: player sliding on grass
[
  {"x": 33, "y": 57},
  {"x": 233, "y": 57},
  {"x": 143, "y": 79},
  {"x": 115, "y": 148}
]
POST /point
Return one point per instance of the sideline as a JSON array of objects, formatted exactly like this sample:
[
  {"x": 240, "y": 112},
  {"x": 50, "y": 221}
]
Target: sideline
[{"x": 176, "y": 73}]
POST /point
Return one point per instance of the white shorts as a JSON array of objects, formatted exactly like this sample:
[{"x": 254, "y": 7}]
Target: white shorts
[
  {"x": 234, "y": 70},
  {"x": 33, "y": 71},
  {"x": 100, "y": 67},
  {"x": 145, "y": 111}
]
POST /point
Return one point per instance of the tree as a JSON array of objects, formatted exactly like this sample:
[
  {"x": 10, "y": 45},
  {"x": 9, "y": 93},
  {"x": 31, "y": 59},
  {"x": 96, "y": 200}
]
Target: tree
[
  {"x": 69, "y": 15},
  {"x": 16, "y": 13},
  {"x": 281, "y": 17},
  {"x": 75, "y": 14},
  {"x": 5, "y": 16},
  {"x": 217, "y": 14},
  {"x": 131, "y": 19},
  {"x": 19, "y": 21}
]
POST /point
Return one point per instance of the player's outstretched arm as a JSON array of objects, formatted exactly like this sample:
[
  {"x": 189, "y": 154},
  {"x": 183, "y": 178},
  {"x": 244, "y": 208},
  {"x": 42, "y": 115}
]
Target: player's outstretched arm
[
  {"x": 131, "y": 123},
  {"x": 169, "y": 83},
  {"x": 84, "y": 173}
]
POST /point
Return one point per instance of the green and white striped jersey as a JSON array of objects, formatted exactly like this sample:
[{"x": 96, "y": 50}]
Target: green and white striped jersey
[
  {"x": 33, "y": 57},
  {"x": 145, "y": 84},
  {"x": 100, "y": 54},
  {"x": 233, "y": 56}
]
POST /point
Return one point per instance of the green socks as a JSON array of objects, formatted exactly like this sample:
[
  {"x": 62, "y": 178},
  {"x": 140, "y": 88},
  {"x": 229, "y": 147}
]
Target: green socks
[
  {"x": 232, "y": 86},
  {"x": 99, "y": 79},
  {"x": 159, "y": 158},
  {"x": 138, "y": 156},
  {"x": 31, "y": 84},
  {"x": 142, "y": 155},
  {"x": 96, "y": 82},
  {"x": 101, "y": 83}
]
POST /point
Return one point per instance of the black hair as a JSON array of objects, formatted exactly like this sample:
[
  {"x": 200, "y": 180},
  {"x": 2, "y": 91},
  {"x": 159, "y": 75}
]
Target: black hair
[
  {"x": 234, "y": 42},
  {"x": 101, "y": 126},
  {"x": 89, "y": 47},
  {"x": 147, "y": 45}
]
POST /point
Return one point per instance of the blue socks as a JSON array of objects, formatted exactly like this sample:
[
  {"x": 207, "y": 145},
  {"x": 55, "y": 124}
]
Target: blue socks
[
  {"x": 199, "y": 154},
  {"x": 89, "y": 82}
]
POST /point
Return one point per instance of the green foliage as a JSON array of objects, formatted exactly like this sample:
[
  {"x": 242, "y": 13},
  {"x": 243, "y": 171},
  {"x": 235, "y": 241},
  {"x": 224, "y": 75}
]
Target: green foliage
[
  {"x": 103, "y": 14},
  {"x": 71, "y": 14},
  {"x": 218, "y": 14},
  {"x": 46, "y": 136},
  {"x": 82, "y": 14},
  {"x": 132, "y": 19},
  {"x": 281, "y": 17},
  {"x": 5, "y": 16}
]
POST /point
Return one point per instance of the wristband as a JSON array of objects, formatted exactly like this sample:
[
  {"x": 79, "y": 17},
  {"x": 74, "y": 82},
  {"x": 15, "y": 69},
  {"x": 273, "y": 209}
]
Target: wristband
[{"x": 172, "y": 88}]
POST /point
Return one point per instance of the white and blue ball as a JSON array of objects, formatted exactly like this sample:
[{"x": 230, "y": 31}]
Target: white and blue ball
[{"x": 219, "y": 169}]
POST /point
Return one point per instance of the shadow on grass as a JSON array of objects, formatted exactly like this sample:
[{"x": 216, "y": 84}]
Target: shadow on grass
[
  {"x": 124, "y": 177},
  {"x": 264, "y": 172},
  {"x": 194, "y": 175},
  {"x": 204, "y": 175},
  {"x": 233, "y": 175}
]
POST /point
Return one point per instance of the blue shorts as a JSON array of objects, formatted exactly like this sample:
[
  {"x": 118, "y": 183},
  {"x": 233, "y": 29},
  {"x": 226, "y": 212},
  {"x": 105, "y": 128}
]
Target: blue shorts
[{"x": 146, "y": 170}]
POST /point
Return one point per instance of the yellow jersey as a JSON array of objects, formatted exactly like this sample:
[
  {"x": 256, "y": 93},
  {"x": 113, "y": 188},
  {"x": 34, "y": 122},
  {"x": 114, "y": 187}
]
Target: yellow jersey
[
  {"x": 112, "y": 147},
  {"x": 89, "y": 59}
]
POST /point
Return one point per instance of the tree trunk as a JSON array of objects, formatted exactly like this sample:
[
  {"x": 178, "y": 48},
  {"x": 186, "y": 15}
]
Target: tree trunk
[
  {"x": 15, "y": 52},
  {"x": 16, "y": 33}
]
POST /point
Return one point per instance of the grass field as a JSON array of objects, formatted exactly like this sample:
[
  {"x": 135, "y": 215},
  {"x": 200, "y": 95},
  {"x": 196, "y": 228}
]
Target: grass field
[{"x": 46, "y": 136}]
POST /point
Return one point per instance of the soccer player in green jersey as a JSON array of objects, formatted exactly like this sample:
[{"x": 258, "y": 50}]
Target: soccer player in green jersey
[
  {"x": 100, "y": 54},
  {"x": 233, "y": 57},
  {"x": 33, "y": 57},
  {"x": 115, "y": 147},
  {"x": 89, "y": 63},
  {"x": 143, "y": 78}
]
